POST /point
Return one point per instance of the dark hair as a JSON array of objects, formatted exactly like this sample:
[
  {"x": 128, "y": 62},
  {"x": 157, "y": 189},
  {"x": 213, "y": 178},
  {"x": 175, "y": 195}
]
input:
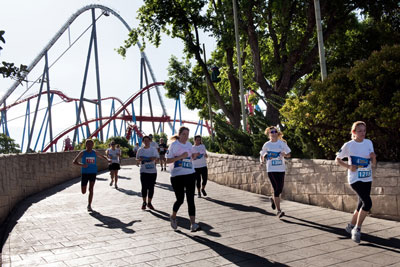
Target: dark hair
[
  {"x": 146, "y": 136},
  {"x": 198, "y": 136}
]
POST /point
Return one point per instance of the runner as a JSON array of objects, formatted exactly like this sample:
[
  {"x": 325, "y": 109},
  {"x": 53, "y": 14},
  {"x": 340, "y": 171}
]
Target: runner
[
  {"x": 275, "y": 150},
  {"x": 179, "y": 156},
  {"x": 361, "y": 157},
  {"x": 114, "y": 154},
  {"x": 147, "y": 156},
  {"x": 162, "y": 149},
  {"x": 89, "y": 169},
  {"x": 200, "y": 165}
]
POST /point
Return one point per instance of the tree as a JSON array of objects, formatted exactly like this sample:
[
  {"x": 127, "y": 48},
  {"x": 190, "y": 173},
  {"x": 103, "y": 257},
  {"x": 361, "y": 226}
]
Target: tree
[
  {"x": 8, "y": 145},
  {"x": 9, "y": 70},
  {"x": 369, "y": 91}
]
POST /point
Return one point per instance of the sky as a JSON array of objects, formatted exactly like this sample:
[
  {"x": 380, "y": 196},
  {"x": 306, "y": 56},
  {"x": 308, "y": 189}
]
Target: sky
[{"x": 30, "y": 25}]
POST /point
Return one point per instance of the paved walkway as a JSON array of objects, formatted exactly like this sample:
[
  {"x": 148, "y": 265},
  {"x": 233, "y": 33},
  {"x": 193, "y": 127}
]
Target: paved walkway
[{"x": 53, "y": 228}]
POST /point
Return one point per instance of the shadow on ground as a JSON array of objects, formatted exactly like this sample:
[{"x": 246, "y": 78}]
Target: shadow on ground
[
  {"x": 237, "y": 257},
  {"x": 239, "y": 207},
  {"x": 113, "y": 223},
  {"x": 390, "y": 244}
]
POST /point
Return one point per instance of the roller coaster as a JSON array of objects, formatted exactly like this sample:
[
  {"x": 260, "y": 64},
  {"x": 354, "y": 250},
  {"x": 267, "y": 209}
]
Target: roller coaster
[{"x": 123, "y": 111}]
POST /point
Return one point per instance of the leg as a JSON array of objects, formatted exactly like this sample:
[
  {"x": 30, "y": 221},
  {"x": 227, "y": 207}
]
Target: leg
[
  {"x": 197, "y": 175},
  {"x": 204, "y": 174},
  {"x": 280, "y": 179},
  {"x": 274, "y": 183},
  {"x": 152, "y": 182},
  {"x": 84, "y": 182},
  {"x": 190, "y": 188},
  {"x": 143, "y": 181},
  {"x": 116, "y": 176},
  {"x": 91, "y": 187},
  {"x": 177, "y": 183}
]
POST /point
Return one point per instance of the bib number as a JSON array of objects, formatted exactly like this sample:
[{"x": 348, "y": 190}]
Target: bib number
[
  {"x": 276, "y": 162},
  {"x": 364, "y": 172},
  {"x": 149, "y": 166}
]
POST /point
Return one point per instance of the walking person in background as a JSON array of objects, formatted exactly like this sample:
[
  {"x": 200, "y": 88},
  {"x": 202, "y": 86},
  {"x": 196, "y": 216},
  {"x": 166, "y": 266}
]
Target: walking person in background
[
  {"x": 162, "y": 149},
  {"x": 179, "y": 156},
  {"x": 200, "y": 165},
  {"x": 361, "y": 158},
  {"x": 89, "y": 169},
  {"x": 114, "y": 154},
  {"x": 147, "y": 157},
  {"x": 274, "y": 153}
]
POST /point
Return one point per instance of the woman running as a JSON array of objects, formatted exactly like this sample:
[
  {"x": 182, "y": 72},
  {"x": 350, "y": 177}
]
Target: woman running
[
  {"x": 200, "y": 165},
  {"x": 360, "y": 154},
  {"x": 274, "y": 153},
  {"x": 179, "y": 158},
  {"x": 147, "y": 157},
  {"x": 89, "y": 168},
  {"x": 114, "y": 154}
]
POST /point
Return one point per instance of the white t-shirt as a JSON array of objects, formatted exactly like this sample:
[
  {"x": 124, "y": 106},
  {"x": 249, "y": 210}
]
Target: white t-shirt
[
  {"x": 183, "y": 166},
  {"x": 358, "y": 154},
  {"x": 114, "y": 154},
  {"x": 274, "y": 161},
  {"x": 200, "y": 161},
  {"x": 147, "y": 165},
  {"x": 154, "y": 144}
]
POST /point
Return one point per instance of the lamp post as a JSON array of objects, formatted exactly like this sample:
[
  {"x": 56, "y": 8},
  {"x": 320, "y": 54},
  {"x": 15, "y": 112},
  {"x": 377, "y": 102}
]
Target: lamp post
[
  {"x": 321, "y": 49},
  {"x": 208, "y": 97},
  {"x": 235, "y": 18}
]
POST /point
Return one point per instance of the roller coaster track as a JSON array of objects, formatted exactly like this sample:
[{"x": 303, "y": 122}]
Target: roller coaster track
[{"x": 60, "y": 33}]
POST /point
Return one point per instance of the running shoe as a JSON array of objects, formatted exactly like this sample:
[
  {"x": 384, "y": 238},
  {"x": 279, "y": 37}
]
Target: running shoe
[
  {"x": 174, "y": 223},
  {"x": 356, "y": 235},
  {"x": 349, "y": 228},
  {"x": 144, "y": 206},
  {"x": 195, "y": 227},
  {"x": 116, "y": 186},
  {"x": 204, "y": 192},
  {"x": 272, "y": 203},
  {"x": 150, "y": 206},
  {"x": 280, "y": 214},
  {"x": 89, "y": 208}
]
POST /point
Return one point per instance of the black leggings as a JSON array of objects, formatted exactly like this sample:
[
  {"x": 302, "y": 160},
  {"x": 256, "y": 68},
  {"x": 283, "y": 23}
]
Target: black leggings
[
  {"x": 277, "y": 180},
  {"x": 179, "y": 184},
  {"x": 148, "y": 181},
  {"x": 363, "y": 190},
  {"x": 201, "y": 173}
]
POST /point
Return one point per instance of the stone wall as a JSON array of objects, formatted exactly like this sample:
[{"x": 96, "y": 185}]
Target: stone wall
[
  {"x": 23, "y": 175},
  {"x": 317, "y": 182}
]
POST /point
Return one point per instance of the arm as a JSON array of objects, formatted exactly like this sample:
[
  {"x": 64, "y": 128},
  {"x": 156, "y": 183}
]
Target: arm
[
  {"x": 372, "y": 155},
  {"x": 172, "y": 160},
  {"x": 76, "y": 162},
  {"x": 345, "y": 165}
]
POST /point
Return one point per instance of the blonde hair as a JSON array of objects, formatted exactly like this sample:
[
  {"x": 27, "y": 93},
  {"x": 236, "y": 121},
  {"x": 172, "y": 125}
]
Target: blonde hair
[
  {"x": 176, "y": 136},
  {"x": 280, "y": 134},
  {"x": 354, "y": 126}
]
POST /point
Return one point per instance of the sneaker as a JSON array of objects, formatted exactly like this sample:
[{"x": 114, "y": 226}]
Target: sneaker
[
  {"x": 150, "y": 206},
  {"x": 111, "y": 183},
  {"x": 280, "y": 214},
  {"x": 116, "y": 186},
  {"x": 174, "y": 223},
  {"x": 349, "y": 227},
  {"x": 199, "y": 194},
  {"x": 144, "y": 206},
  {"x": 204, "y": 192},
  {"x": 356, "y": 235},
  {"x": 89, "y": 208},
  {"x": 195, "y": 227},
  {"x": 272, "y": 203}
]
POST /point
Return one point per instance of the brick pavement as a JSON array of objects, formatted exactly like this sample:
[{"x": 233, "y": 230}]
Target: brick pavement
[{"x": 53, "y": 228}]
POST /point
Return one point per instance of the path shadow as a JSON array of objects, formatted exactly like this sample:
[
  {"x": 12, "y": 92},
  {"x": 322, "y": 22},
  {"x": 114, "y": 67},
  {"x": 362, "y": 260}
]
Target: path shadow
[
  {"x": 129, "y": 192},
  {"x": 113, "y": 223},
  {"x": 164, "y": 186},
  {"x": 239, "y": 207},
  {"x": 185, "y": 223},
  {"x": 390, "y": 244},
  {"x": 101, "y": 179},
  {"x": 237, "y": 257},
  {"x": 124, "y": 177},
  {"x": 19, "y": 209}
]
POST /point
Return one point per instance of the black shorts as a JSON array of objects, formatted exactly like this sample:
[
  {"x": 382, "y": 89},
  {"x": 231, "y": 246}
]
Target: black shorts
[
  {"x": 86, "y": 177},
  {"x": 114, "y": 167}
]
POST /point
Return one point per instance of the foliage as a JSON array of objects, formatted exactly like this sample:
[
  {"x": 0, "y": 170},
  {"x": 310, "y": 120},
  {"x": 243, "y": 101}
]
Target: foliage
[
  {"x": 97, "y": 144},
  {"x": 369, "y": 91},
  {"x": 9, "y": 70},
  {"x": 156, "y": 137},
  {"x": 8, "y": 145}
]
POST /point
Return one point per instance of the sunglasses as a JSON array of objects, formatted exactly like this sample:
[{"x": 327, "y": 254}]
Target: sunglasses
[{"x": 273, "y": 131}]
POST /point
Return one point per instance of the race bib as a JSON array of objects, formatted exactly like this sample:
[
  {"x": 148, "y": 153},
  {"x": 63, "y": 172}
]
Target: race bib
[
  {"x": 359, "y": 162},
  {"x": 276, "y": 162},
  {"x": 90, "y": 160},
  {"x": 185, "y": 163},
  {"x": 364, "y": 172},
  {"x": 149, "y": 166},
  {"x": 161, "y": 149},
  {"x": 200, "y": 156}
]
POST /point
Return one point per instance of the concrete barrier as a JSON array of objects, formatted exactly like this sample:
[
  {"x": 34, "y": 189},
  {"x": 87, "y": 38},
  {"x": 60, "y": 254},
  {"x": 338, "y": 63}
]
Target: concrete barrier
[{"x": 311, "y": 181}]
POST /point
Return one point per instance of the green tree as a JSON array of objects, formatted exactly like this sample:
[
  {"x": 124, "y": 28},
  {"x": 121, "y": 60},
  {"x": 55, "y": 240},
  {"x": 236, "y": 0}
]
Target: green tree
[
  {"x": 369, "y": 91},
  {"x": 8, "y": 145},
  {"x": 9, "y": 70}
]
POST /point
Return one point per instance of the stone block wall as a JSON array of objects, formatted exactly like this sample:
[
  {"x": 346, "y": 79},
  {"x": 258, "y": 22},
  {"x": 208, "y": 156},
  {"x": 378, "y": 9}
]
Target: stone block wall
[
  {"x": 22, "y": 175},
  {"x": 311, "y": 181}
]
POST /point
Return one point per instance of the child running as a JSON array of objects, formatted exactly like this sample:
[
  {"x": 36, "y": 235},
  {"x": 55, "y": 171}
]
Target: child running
[
  {"x": 89, "y": 169},
  {"x": 114, "y": 155},
  {"x": 162, "y": 149},
  {"x": 360, "y": 154},
  {"x": 200, "y": 165},
  {"x": 147, "y": 156},
  {"x": 275, "y": 151},
  {"x": 179, "y": 156}
]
